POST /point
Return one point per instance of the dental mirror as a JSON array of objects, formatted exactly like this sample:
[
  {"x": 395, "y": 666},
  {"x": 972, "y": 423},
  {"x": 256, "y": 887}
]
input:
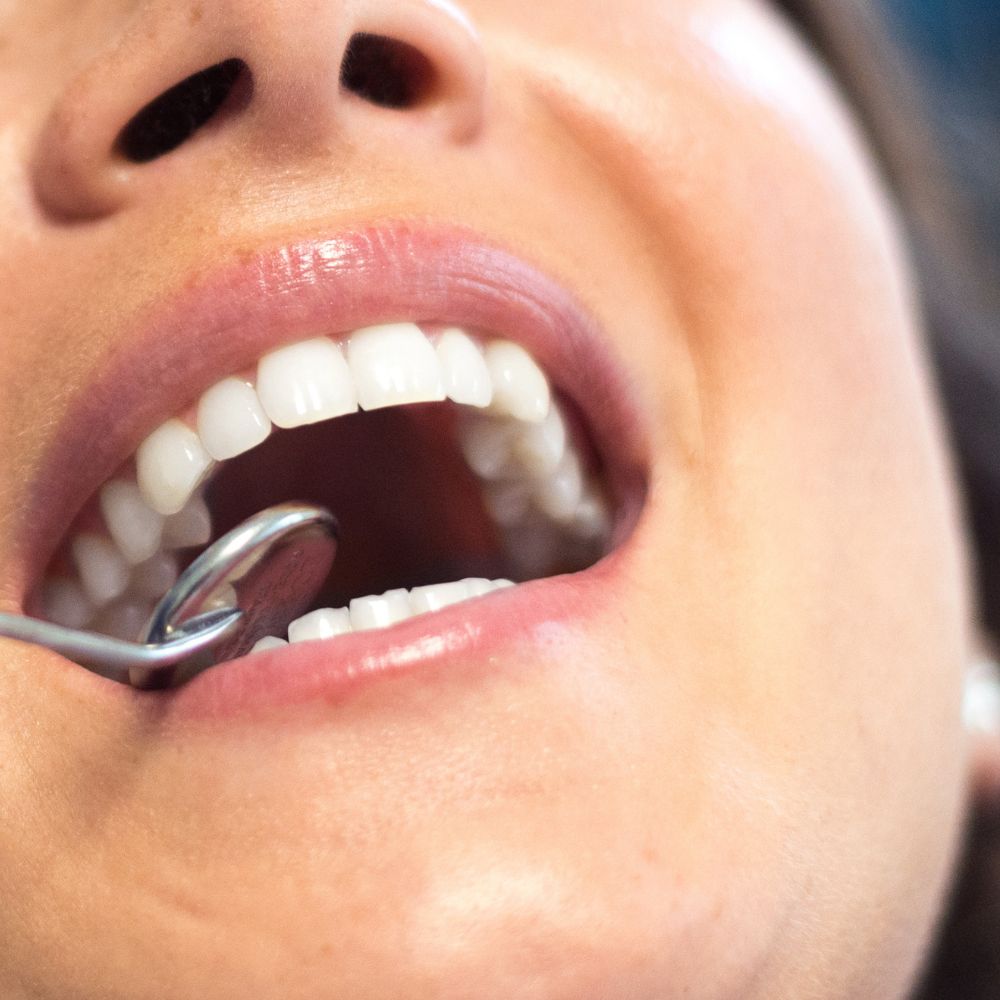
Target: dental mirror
[{"x": 250, "y": 583}]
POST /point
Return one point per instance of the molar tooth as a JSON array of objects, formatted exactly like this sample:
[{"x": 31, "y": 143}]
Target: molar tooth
[
  {"x": 231, "y": 419},
  {"x": 102, "y": 568},
  {"x": 463, "y": 369},
  {"x": 539, "y": 448},
  {"x": 125, "y": 619},
  {"x": 135, "y": 527},
  {"x": 560, "y": 494},
  {"x": 379, "y": 612},
  {"x": 324, "y": 623},
  {"x": 268, "y": 642},
  {"x": 520, "y": 387},
  {"x": 170, "y": 464},
  {"x": 591, "y": 520},
  {"x": 65, "y": 603},
  {"x": 394, "y": 364},
  {"x": 507, "y": 502},
  {"x": 305, "y": 383},
  {"x": 437, "y": 596},
  {"x": 189, "y": 527},
  {"x": 154, "y": 577}
]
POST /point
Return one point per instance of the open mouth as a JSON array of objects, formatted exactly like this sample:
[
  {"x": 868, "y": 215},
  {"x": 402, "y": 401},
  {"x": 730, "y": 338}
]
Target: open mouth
[{"x": 452, "y": 465}]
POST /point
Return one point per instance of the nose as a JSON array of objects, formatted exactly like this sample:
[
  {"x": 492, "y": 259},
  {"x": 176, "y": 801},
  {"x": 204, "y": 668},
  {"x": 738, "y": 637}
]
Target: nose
[{"x": 184, "y": 81}]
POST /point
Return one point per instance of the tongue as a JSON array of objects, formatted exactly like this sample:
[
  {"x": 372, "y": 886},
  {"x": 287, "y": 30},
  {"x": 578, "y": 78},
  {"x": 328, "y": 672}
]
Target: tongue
[{"x": 410, "y": 511}]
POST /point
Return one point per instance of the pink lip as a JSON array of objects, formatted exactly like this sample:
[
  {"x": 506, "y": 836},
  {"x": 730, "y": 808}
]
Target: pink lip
[{"x": 223, "y": 322}]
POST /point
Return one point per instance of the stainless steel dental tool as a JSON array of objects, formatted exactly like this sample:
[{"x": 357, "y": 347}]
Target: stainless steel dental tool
[{"x": 250, "y": 583}]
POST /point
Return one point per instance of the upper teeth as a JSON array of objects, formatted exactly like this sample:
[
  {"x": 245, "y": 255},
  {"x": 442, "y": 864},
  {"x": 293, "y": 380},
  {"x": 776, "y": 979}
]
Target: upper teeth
[{"x": 515, "y": 438}]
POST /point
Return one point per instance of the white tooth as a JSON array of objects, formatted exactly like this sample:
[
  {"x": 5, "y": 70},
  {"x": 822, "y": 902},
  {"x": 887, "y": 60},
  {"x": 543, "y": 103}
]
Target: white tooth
[
  {"x": 103, "y": 571},
  {"x": 305, "y": 383},
  {"x": 503, "y": 584},
  {"x": 378, "y": 612},
  {"x": 478, "y": 586},
  {"x": 507, "y": 502},
  {"x": 322, "y": 624},
  {"x": 466, "y": 377},
  {"x": 65, "y": 603},
  {"x": 394, "y": 364},
  {"x": 533, "y": 546},
  {"x": 188, "y": 527},
  {"x": 268, "y": 642},
  {"x": 486, "y": 444},
  {"x": 231, "y": 419},
  {"x": 154, "y": 577},
  {"x": 135, "y": 527},
  {"x": 591, "y": 519},
  {"x": 170, "y": 464},
  {"x": 437, "y": 596},
  {"x": 540, "y": 447},
  {"x": 125, "y": 619},
  {"x": 520, "y": 388},
  {"x": 560, "y": 494}
]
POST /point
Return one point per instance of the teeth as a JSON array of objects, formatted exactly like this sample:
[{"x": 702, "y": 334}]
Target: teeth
[
  {"x": 520, "y": 388},
  {"x": 170, "y": 464},
  {"x": 379, "y": 612},
  {"x": 125, "y": 619},
  {"x": 560, "y": 494},
  {"x": 135, "y": 527},
  {"x": 103, "y": 571},
  {"x": 268, "y": 642},
  {"x": 539, "y": 448},
  {"x": 305, "y": 383},
  {"x": 486, "y": 445},
  {"x": 463, "y": 370},
  {"x": 392, "y": 365},
  {"x": 437, "y": 596},
  {"x": 189, "y": 527},
  {"x": 231, "y": 419},
  {"x": 65, "y": 603},
  {"x": 154, "y": 577},
  {"x": 322, "y": 624}
]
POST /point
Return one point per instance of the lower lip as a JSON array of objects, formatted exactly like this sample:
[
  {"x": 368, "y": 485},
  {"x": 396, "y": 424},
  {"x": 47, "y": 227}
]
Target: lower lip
[{"x": 470, "y": 636}]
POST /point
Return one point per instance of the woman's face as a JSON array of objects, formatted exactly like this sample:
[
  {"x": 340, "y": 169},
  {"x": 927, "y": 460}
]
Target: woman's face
[{"x": 725, "y": 760}]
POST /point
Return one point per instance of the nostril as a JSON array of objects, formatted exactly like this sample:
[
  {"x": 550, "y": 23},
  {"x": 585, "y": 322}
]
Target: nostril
[
  {"x": 386, "y": 72},
  {"x": 173, "y": 117}
]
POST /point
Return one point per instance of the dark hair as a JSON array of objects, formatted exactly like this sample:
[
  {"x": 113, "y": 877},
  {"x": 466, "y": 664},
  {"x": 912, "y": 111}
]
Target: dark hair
[{"x": 958, "y": 275}]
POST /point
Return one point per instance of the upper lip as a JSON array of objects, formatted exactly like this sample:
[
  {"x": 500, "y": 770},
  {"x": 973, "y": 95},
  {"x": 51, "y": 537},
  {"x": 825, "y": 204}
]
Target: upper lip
[{"x": 325, "y": 284}]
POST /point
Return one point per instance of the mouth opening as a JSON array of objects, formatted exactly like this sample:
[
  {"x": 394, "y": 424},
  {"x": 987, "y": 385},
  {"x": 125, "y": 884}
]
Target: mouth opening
[{"x": 428, "y": 494}]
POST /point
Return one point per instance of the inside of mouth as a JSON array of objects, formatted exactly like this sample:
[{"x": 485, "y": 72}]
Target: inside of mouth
[{"x": 443, "y": 498}]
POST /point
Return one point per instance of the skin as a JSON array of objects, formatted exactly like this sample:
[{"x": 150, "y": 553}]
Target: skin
[{"x": 745, "y": 779}]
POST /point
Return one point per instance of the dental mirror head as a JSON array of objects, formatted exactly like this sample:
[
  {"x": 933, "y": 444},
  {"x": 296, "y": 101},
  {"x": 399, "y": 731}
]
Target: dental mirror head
[
  {"x": 270, "y": 568},
  {"x": 252, "y": 582}
]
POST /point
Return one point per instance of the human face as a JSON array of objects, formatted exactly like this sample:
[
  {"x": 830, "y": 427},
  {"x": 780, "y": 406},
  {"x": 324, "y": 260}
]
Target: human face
[{"x": 725, "y": 760}]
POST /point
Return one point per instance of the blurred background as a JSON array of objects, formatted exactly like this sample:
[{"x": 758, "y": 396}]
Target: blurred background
[{"x": 957, "y": 44}]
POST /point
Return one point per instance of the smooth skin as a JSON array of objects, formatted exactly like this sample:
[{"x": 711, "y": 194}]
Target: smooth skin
[{"x": 746, "y": 778}]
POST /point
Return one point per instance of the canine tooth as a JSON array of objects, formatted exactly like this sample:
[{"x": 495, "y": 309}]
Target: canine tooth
[
  {"x": 189, "y": 527},
  {"x": 478, "y": 586},
  {"x": 125, "y": 619},
  {"x": 394, "y": 364},
  {"x": 463, "y": 369},
  {"x": 520, "y": 387},
  {"x": 102, "y": 568},
  {"x": 170, "y": 464},
  {"x": 378, "y": 612},
  {"x": 539, "y": 448},
  {"x": 133, "y": 525},
  {"x": 560, "y": 494},
  {"x": 486, "y": 445},
  {"x": 322, "y": 624},
  {"x": 305, "y": 383},
  {"x": 154, "y": 577},
  {"x": 437, "y": 596},
  {"x": 503, "y": 584},
  {"x": 231, "y": 419},
  {"x": 65, "y": 603},
  {"x": 268, "y": 642}
]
